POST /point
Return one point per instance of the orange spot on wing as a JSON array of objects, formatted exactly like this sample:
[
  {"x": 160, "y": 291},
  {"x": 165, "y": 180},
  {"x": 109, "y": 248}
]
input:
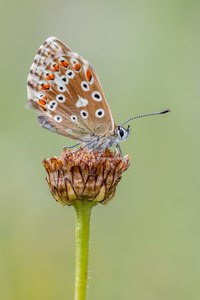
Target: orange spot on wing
[
  {"x": 77, "y": 67},
  {"x": 55, "y": 68},
  {"x": 42, "y": 102},
  {"x": 45, "y": 86},
  {"x": 88, "y": 75},
  {"x": 64, "y": 63},
  {"x": 44, "y": 98},
  {"x": 50, "y": 77}
]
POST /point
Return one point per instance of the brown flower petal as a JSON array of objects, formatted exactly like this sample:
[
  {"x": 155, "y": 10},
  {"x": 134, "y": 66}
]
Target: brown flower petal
[{"x": 84, "y": 175}]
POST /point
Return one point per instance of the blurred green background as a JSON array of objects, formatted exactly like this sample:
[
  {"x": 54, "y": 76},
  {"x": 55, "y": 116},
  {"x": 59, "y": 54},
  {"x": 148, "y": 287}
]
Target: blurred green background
[{"x": 145, "y": 244}]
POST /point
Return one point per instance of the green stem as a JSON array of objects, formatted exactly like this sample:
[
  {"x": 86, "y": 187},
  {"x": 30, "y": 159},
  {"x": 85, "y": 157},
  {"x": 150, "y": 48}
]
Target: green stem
[{"x": 82, "y": 233}]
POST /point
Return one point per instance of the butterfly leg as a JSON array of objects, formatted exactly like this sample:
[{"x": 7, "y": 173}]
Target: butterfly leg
[
  {"x": 71, "y": 147},
  {"x": 118, "y": 150},
  {"x": 91, "y": 145}
]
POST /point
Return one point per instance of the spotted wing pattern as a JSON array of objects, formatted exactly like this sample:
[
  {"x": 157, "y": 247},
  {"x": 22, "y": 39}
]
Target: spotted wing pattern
[{"x": 65, "y": 91}]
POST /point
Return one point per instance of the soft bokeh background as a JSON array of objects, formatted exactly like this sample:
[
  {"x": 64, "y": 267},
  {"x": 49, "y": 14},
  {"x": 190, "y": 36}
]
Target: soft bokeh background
[{"x": 146, "y": 243}]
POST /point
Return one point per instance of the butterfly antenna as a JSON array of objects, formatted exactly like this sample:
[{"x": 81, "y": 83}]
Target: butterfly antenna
[{"x": 147, "y": 115}]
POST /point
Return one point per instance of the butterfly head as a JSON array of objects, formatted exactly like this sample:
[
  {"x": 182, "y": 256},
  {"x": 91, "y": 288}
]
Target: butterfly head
[{"x": 122, "y": 132}]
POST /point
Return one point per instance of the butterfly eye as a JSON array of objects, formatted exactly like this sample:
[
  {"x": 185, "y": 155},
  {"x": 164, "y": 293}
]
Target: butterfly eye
[
  {"x": 96, "y": 96},
  {"x": 99, "y": 113},
  {"x": 52, "y": 105},
  {"x": 85, "y": 86},
  {"x": 58, "y": 118},
  {"x": 74, "y": 118},
  {"x": 70, "y": 74},
  {"x": 121, "y": 132},
  {"x": 60, "y": 98},
  {"x": 84, "y": 114}
]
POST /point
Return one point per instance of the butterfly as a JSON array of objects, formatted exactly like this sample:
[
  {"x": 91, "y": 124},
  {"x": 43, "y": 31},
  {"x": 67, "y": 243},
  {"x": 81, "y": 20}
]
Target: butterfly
[{"x": 66, "y": 93}]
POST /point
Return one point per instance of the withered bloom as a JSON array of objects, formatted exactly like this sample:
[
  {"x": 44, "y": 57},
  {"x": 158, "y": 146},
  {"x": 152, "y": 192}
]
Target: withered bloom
[{"x": 85, "y": 175}]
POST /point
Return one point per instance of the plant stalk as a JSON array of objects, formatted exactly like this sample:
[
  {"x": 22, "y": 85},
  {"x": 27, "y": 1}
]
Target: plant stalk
[{"x": 82, "y": 234}]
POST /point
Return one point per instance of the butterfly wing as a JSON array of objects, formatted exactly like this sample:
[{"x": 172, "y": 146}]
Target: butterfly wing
[{"x": 64, "y": 89}]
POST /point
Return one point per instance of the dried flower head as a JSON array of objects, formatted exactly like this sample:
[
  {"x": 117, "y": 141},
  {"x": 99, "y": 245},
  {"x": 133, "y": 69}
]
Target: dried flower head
[{"x": 84, "y": 175}]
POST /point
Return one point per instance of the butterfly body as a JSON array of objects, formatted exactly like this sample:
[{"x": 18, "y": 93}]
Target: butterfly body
[
  {"x": 65, "y": 91},
  {"x": 100, "y": 143}
]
